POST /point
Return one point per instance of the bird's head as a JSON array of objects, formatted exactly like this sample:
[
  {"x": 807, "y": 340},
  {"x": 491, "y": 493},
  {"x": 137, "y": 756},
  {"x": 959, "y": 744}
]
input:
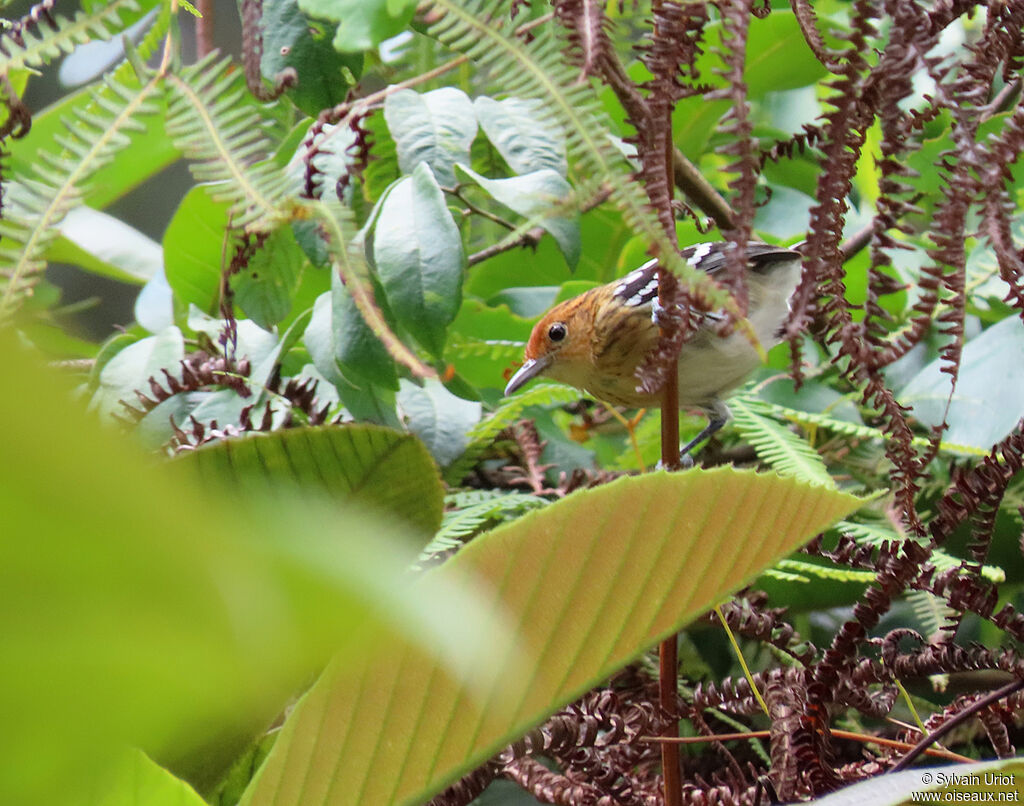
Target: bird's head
[{"x": 560, "y": 346}]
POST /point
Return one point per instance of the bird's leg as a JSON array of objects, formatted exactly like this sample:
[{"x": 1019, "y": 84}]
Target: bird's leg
[{"x": 718, "y": 415}]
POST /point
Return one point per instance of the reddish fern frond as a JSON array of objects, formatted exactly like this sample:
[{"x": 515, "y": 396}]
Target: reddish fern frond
[
  {"x": 586, "y": 27},
  {"x": 735, "y": 16},
  {"x": 252, "y": 55}
]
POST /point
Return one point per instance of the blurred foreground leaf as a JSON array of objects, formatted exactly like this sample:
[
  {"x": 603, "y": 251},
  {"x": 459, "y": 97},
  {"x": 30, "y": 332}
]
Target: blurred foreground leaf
[{"x": 137, "y": 609}]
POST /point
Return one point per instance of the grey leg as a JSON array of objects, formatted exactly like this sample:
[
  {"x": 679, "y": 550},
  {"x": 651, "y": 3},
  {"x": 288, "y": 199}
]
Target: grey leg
[{"x": 718, "y": 415}]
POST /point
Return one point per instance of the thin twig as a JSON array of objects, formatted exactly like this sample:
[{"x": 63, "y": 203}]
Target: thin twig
[
  {"x": 962, "y": 716},
  {"x": 860, "y": 239},
  {"x": 532, "y": 236},
  {"x": 863, "y": 738}
]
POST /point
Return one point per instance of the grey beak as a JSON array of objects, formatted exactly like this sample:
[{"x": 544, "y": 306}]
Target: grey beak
[{"x": 531, "y": 369}]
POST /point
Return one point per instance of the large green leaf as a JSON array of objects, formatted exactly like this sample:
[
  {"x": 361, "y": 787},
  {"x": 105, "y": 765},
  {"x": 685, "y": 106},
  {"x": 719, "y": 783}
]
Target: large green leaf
[
  {"x": 362, "y": 24},
  {"x": 138, "y": 609},
  {"x": 543, "y": 195},
  {"x": 589, "y": 582},
  {"x": 517, "y": 128},
  {"x": 418, "y": 254},
  {"x": 374, "y": 466},
  {"x": 290, "y": 39},
  {"x": 988, "y": 402},
  {"x": 442, "y": 420},
  {"x": 437, "y": 128},
  {"x": 136, "y": 780},
  {"x": 265, "y": 288},
  {"x": 131, "y": 368},
  {"x": 194, "y": 248}
]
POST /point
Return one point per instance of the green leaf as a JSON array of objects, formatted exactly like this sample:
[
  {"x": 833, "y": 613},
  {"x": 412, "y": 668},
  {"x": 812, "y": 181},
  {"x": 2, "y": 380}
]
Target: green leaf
[
  {"x": 442, "y": 420},
  {"x": 373, "y": 466},
  {"x": 437, "y": 128},
  {"x": 138, "y": 609},
  {"x": 265, "y": 289},
  {"x": 194, "y": 244},
  {"x": 363, "y": 24},
  {"x": 589, "y": 583},
  {"x": 988, "y": 402},
  {"x": 777, "y": 58},
  {"x": 418, "y": 254},
  {"x": 522, "y": 134},
  {"x": 542, "y": 195},
  {"x": 105, "y": 245},
  {"x": 290, "y": 39},
  {"x": 358, "y": 352},
  {"x": 132, "y": 367},
  {"x": 136, "y": 780}
]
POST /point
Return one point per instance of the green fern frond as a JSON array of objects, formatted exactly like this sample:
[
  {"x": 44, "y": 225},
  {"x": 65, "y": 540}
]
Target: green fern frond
[
  {"x": 875, "y": 534},
  {"x": 930, "y": 611},
  {"x": 37, "y": 205},
  {"x": 844, "y": 427},
  {"x": 498, "y": 350},
  {"x": 483, "y": 31},
  {"x": 804, "y": 568},
  {"x": 477, "y": 510},
  {"x": 778, "y": 447},
  {"x": 41, "y": 44},
  {"x": 212, "y": 117},
  {"x": 483, "y": 433}
]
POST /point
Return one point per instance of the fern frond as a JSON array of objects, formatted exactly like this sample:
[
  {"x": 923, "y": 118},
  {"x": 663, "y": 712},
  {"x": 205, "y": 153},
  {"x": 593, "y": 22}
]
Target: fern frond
[
  {"x": 844, "y": 427},
  {"x": 483, "y": 31},
  {"x": 470, "y": 519},
  {"x": 498, "y": 350},
  {"x": 32, "y": 45},
  {"x": 483, "y": 433},
  {"x": 806, "y": 569},
  {"x": 213, "y": 118},
  {"x": 875, "y": 534},
  {"x": 37, "y": 205},
  {"x": 930, "y": 610},
  {"x": 780, "y": 448}
]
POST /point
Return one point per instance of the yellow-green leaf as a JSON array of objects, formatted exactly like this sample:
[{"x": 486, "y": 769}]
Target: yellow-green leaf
[{"x": 589, "y": 583}]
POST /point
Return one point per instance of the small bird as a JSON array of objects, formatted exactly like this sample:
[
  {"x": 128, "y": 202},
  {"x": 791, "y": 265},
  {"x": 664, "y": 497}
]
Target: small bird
[{"x": 596, "y": 341}]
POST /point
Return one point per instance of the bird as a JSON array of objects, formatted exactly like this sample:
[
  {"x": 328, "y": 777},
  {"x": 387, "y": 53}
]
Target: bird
[{"x": 597, "y": 340}]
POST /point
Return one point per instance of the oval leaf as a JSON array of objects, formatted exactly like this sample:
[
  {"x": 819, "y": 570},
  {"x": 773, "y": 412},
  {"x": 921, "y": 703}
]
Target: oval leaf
[
  {"x": 541, "y": 195},
  {"x": 989, "y": 401},
  {"x": 437, "y": 128},
  {"x": 418, "y": 253},
  {"x": 442, "y": 420},
  {"x": 527, "y": 141},
  {"x": 591, "y": 582}
]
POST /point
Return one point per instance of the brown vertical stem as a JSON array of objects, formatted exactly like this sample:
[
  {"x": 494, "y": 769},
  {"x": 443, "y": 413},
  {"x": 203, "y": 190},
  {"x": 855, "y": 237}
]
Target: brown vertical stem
[
  {"x": 668, "y": 666},
  {"x": 204, "y": 28}
]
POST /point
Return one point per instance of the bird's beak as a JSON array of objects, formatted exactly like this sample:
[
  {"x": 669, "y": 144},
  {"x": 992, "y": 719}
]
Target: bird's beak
[{"x": 531, "y": 369}]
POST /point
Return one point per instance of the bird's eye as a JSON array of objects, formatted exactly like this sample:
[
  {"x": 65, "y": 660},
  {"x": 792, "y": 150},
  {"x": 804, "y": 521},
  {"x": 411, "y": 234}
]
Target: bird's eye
[{"x": 557, "y": 331}]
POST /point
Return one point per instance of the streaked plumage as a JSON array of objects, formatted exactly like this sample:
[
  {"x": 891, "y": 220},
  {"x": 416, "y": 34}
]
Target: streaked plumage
[{"x": 596, "y": 341}]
